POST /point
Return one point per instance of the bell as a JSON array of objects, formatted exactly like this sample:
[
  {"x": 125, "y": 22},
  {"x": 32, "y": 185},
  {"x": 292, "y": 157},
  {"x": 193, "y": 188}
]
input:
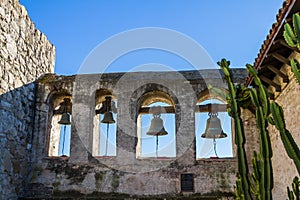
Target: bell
[
  {"x": 65, "y": 119},
  {"x": 108, "y": 118},
  {"x": 157, "y": 127},
  {"x": 213, "y": 128}
]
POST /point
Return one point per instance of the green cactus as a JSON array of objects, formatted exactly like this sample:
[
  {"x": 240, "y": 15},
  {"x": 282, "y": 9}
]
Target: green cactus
[
  {"x": 296, "y": 69},
  {"x": 295, "y": 192},
  {"x": 292, "y": 38},
  {"x": 292, "y": 35},
  {"x": 263, "y": 92},
  {"x": 289, "y": 143},
  {"x": 266, "y": 179},
  {"x": 241, "y": 96},
  {"x": 260, "y": 99},
  {"x": 239, "y": 195},
  {"x": 262, "y": 179},
  {"x": 243, "y": 185},
  {"x": 256, "y": 176}
]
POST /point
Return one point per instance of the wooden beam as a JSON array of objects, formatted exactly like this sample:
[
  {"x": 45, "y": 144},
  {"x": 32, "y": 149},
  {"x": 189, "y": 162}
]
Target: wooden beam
[
  {"x": 164, "y": 109},
  {"x": 283, "y": 43},
  {"x": 268, "y": 81},
  {"x": 199, "y": 108},
  {"x": 272, "y": 96},
  {"x": 280, "y": 58},
  {"x": 212, "y": 107},
  {"x": 278, "y": 72},
  {"x": 288, "y": 19}
]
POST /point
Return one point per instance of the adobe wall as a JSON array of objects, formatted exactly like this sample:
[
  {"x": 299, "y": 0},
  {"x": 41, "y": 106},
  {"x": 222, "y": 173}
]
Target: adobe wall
[
  {"x": 283, "y": 167},
  {"x": 125, "y": 175},
  {"x": 25, "y": 54}
]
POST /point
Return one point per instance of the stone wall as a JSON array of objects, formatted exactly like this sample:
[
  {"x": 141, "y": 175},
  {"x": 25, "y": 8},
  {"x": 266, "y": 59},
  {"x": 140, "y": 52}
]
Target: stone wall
[
  {"x": 25, "y": 54},
  {"x": 126, "y": 175},
  {"x": 283, "y": 167}
]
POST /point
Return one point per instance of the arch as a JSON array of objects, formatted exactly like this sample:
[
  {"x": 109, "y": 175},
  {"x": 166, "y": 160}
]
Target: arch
[
  {"x": 104, "y": 139},
  {"x": 205, "y": 147},
  {"x": 148, "y": 96},
  {"x": 206, "y": 95},
  {"x": 149, "y": 93},
  {"x": 58, "y": 136},
  {"x": 100, "y": 95}
]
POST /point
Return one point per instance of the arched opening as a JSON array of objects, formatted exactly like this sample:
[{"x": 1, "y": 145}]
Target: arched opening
[
  {"x": 60, "y": 132},
  {"x": 105, "y": 125},
  {"x": 156, "y": 126},
  {"x": 211, "y": 116}
]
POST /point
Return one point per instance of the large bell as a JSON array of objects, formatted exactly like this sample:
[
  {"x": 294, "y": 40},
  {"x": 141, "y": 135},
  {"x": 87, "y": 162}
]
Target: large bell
[
  {"x": 65, "y": 119},
  {"x": 108, "y": 118},
  {"x": 157, "y": 127},
  {"x": 213, "y": 128}
]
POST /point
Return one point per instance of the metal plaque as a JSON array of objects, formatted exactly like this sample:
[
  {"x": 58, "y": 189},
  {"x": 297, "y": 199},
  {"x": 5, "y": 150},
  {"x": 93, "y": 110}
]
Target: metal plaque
[{"x": 187, "y": 182}]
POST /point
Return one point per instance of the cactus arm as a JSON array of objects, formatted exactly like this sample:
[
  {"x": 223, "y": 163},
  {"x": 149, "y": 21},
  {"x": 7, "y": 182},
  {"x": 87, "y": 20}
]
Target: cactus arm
[
  {"x": 238, "y": 189},
  {"x": 295, "y": 192},
  {"x": 264, "y": 95},
  {"x": 239, "y": 130},
  {"x": 266, "y": 183},
  {"x": 289, "y": 143},
  {"x": 295, "y": 68},
  {"x": 292, "y": 35},
  {"x": 290, "y": 194},
  {"x": 296, "y": 186},
  {"x": 256, "y": 176},
  {"x": 260, "y": 99},
  {"x": 289, "y": 35},
  {"x": 296, "y": 23}
]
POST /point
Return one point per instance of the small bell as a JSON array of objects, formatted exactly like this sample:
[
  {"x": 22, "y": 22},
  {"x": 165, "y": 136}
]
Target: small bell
[
  {"x": 213, "y": 127},
  {"x": 108, "y": 118},
  {"x": 65, "y": 119},
  {"x": 157, "y": 127}
]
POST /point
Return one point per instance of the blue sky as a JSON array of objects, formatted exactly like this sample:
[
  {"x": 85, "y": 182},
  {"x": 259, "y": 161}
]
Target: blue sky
[{"x": 229, "y": 29}]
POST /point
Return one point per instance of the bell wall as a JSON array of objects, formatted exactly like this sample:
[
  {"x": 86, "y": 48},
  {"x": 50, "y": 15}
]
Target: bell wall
[{"x": 126, "y": 175}]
